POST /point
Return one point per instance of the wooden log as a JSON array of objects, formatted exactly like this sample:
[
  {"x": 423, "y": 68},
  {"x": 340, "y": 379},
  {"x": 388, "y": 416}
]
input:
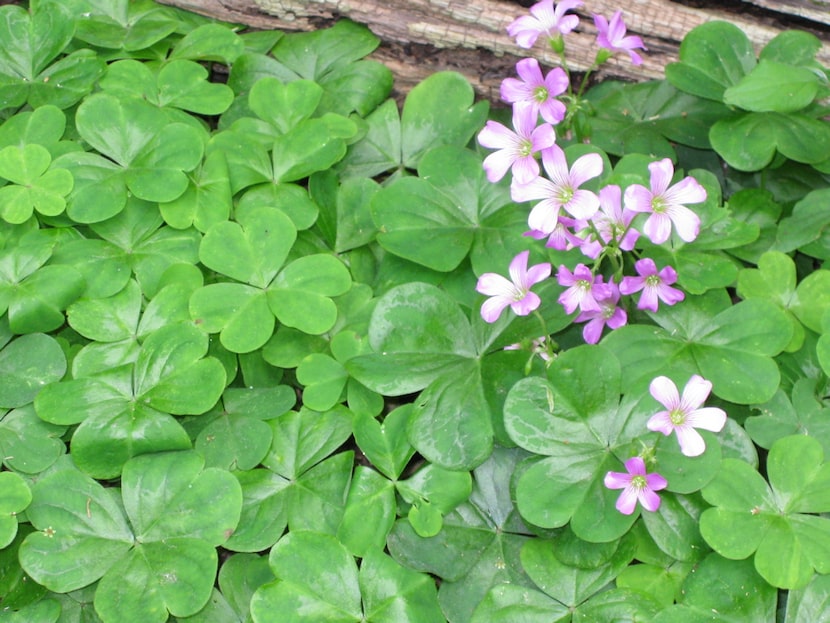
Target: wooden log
[{"x": 421, "y": 37}]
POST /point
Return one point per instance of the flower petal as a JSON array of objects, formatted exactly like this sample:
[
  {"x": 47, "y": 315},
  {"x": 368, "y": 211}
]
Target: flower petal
[
  {"x": 664, "y": 391},
  {"x": 691, "y": 443},
  {"x": 708, "y": 418},
  {"x": 627, "y": 501},
  {"x": 649, "y": 499},
  {"x": 492, "y": 308},
  {"x": 493, "y": 284},
  {"x": 686, "y": 222},
  {"x": 661, "y": 174},
  {"x": 695, "y": 393},
  {"x": 658, "y": 228},
  {"x": 637, "y": 198},
  {"x": 526, "y": 305},
  {"x": 617, "y": 480}
]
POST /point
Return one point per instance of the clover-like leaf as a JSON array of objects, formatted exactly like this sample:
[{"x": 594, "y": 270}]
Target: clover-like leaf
[
  {"x": 773, "y": 521},
  {"x": 27, "y": 443},
  {"x": 774, "y": 87},
  {"x": 34, "y": 187},
  {"x": 478, "y": 546},
  {"x": 300, "y": 295},
  {"x": 154, "y": 551},
  {"x": 27, "y": 364},
  {"x": 317, "y": 571},
  {"x": 15, "y": 496},
  {"x": 713, "y": 57},
  {"x": 708, "y": 590},
  {"x": 730, "y": 345},
  {"x": 126, "y": 411},
  {"x": 749, "y": 142}
]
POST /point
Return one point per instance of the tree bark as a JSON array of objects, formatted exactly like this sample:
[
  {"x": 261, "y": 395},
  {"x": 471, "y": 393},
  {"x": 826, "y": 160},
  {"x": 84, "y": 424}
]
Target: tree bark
[{"x": 420, "y": 37}]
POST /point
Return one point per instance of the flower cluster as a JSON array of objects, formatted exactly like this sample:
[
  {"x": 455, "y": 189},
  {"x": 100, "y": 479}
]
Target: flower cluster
[
  {"x": 682, "y": 415},
  {"x": 570, "y": 210},
  {"x": 607, "y": 224}
]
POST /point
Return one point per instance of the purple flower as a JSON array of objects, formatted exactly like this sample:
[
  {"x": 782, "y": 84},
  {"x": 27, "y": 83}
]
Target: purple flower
[
  {"x": 609, "y": 314},
  {"x": 561, "y": 190},
  {"x": 516, "y": 149},
  {"x": 683, "y": 414},
  {"x": 514, "y": 292},
  {"x": 655, "y": 285},
  {"x": 582, "y": 290},
  {"x": 546, "y": 19},
  {"x": 561, "y": 238},
  {"x": 612, "y": 37},
  {"x": 636, "y": 485},
  {"x": 538, "y": 91},
  {"x": 611, "y": 222},
  {"x": 664, "y": 204}
]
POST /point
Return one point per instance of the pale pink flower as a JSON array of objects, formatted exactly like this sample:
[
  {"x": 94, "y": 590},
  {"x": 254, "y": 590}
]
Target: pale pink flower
[
  {"x": 665, "y": 204},
  {"x": 609, "y": 315},
  {"x": 544, "y": 18},
  {"x": 655, "y": 285},
  {"x": 612, "y": 37},
  {"x": 611, "y": 222},
  {"x": 560, "y": 189},
  {"x": 516, "y": 149},
  {"x": 561, "y": 238},
  {"x": 636, "y": 485},
  {"x": 540, "y": 91},
  {"x": 515, "y": 291},
  {"x": 583, "y": 289},
  {"x": 683, "y": 414}
]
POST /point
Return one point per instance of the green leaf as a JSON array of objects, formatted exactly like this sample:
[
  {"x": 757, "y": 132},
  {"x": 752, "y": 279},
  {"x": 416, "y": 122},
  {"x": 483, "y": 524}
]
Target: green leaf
[
  {"x": 34, "y": 187},
  {"x": 27, "y": 364},
  {"x": 713, "y": 57},
  {"x": 709, "y": 589},
  {"x": 439, "y": 111},
  {"x": 27, "y": 443},
  {"x": 184, "y": 84},
  {"x": 774, "y": 87},
  {"x": 300, "y": 295},
  {"x": 780, "y": 417},
  {"x": 369, "y": 514},
  {"x": 253, "y": 249},
  {"x": 385, "y": 444},
  {"x": 700, "y": 336},
  {"x": 284, "y": 105},
  {"x": 477, "y": 548},
  {"x": 210, "y": 42},
  {"x": 639, "y": 118},
  {"x": 73, "y": 548},
  {"x": 749, "y": 142},
  {"x": 324, "y": 380},
  {"x": 505, "y": 603},
  {"x": 15, "y": 496},
  {"x": 750, "y": 518},
  {"x": 314, "y": 570}
]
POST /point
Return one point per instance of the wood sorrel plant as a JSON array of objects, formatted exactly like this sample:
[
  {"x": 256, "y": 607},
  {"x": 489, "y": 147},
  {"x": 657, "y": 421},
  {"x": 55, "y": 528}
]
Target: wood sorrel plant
[{"x": 246, "y": 375}]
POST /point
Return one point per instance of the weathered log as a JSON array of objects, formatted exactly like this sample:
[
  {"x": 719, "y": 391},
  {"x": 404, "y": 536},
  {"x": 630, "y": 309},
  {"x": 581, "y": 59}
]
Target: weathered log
[{"x": 420, "y": 37}]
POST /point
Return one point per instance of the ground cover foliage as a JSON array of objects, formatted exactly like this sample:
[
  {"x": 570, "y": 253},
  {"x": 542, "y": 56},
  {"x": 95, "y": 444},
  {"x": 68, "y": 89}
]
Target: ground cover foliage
[{"x": 245, "y": 374}]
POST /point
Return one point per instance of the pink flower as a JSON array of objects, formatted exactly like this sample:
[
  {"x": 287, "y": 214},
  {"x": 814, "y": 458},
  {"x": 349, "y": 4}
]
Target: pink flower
[
  {"x": 583, "y": 291},
  {"x": 664, "y": 204},
  {"x": 683, "y": 414},
  {"x": 516, "y": 149},
  {"x": 655, "y": 285},
  {"x": 546, "y": 19},
  {"x": 609, "y": 315},
  {"x": 514, "y": 292},
  {"x": 611, "y": 222},
  {"x": 561, "y": 238},
  {"x": 636, "y": 485},
  {"x": 540, "y": 92},
  {"x": 612, "y": 37},
  {"x": 561, "y": 190}
]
